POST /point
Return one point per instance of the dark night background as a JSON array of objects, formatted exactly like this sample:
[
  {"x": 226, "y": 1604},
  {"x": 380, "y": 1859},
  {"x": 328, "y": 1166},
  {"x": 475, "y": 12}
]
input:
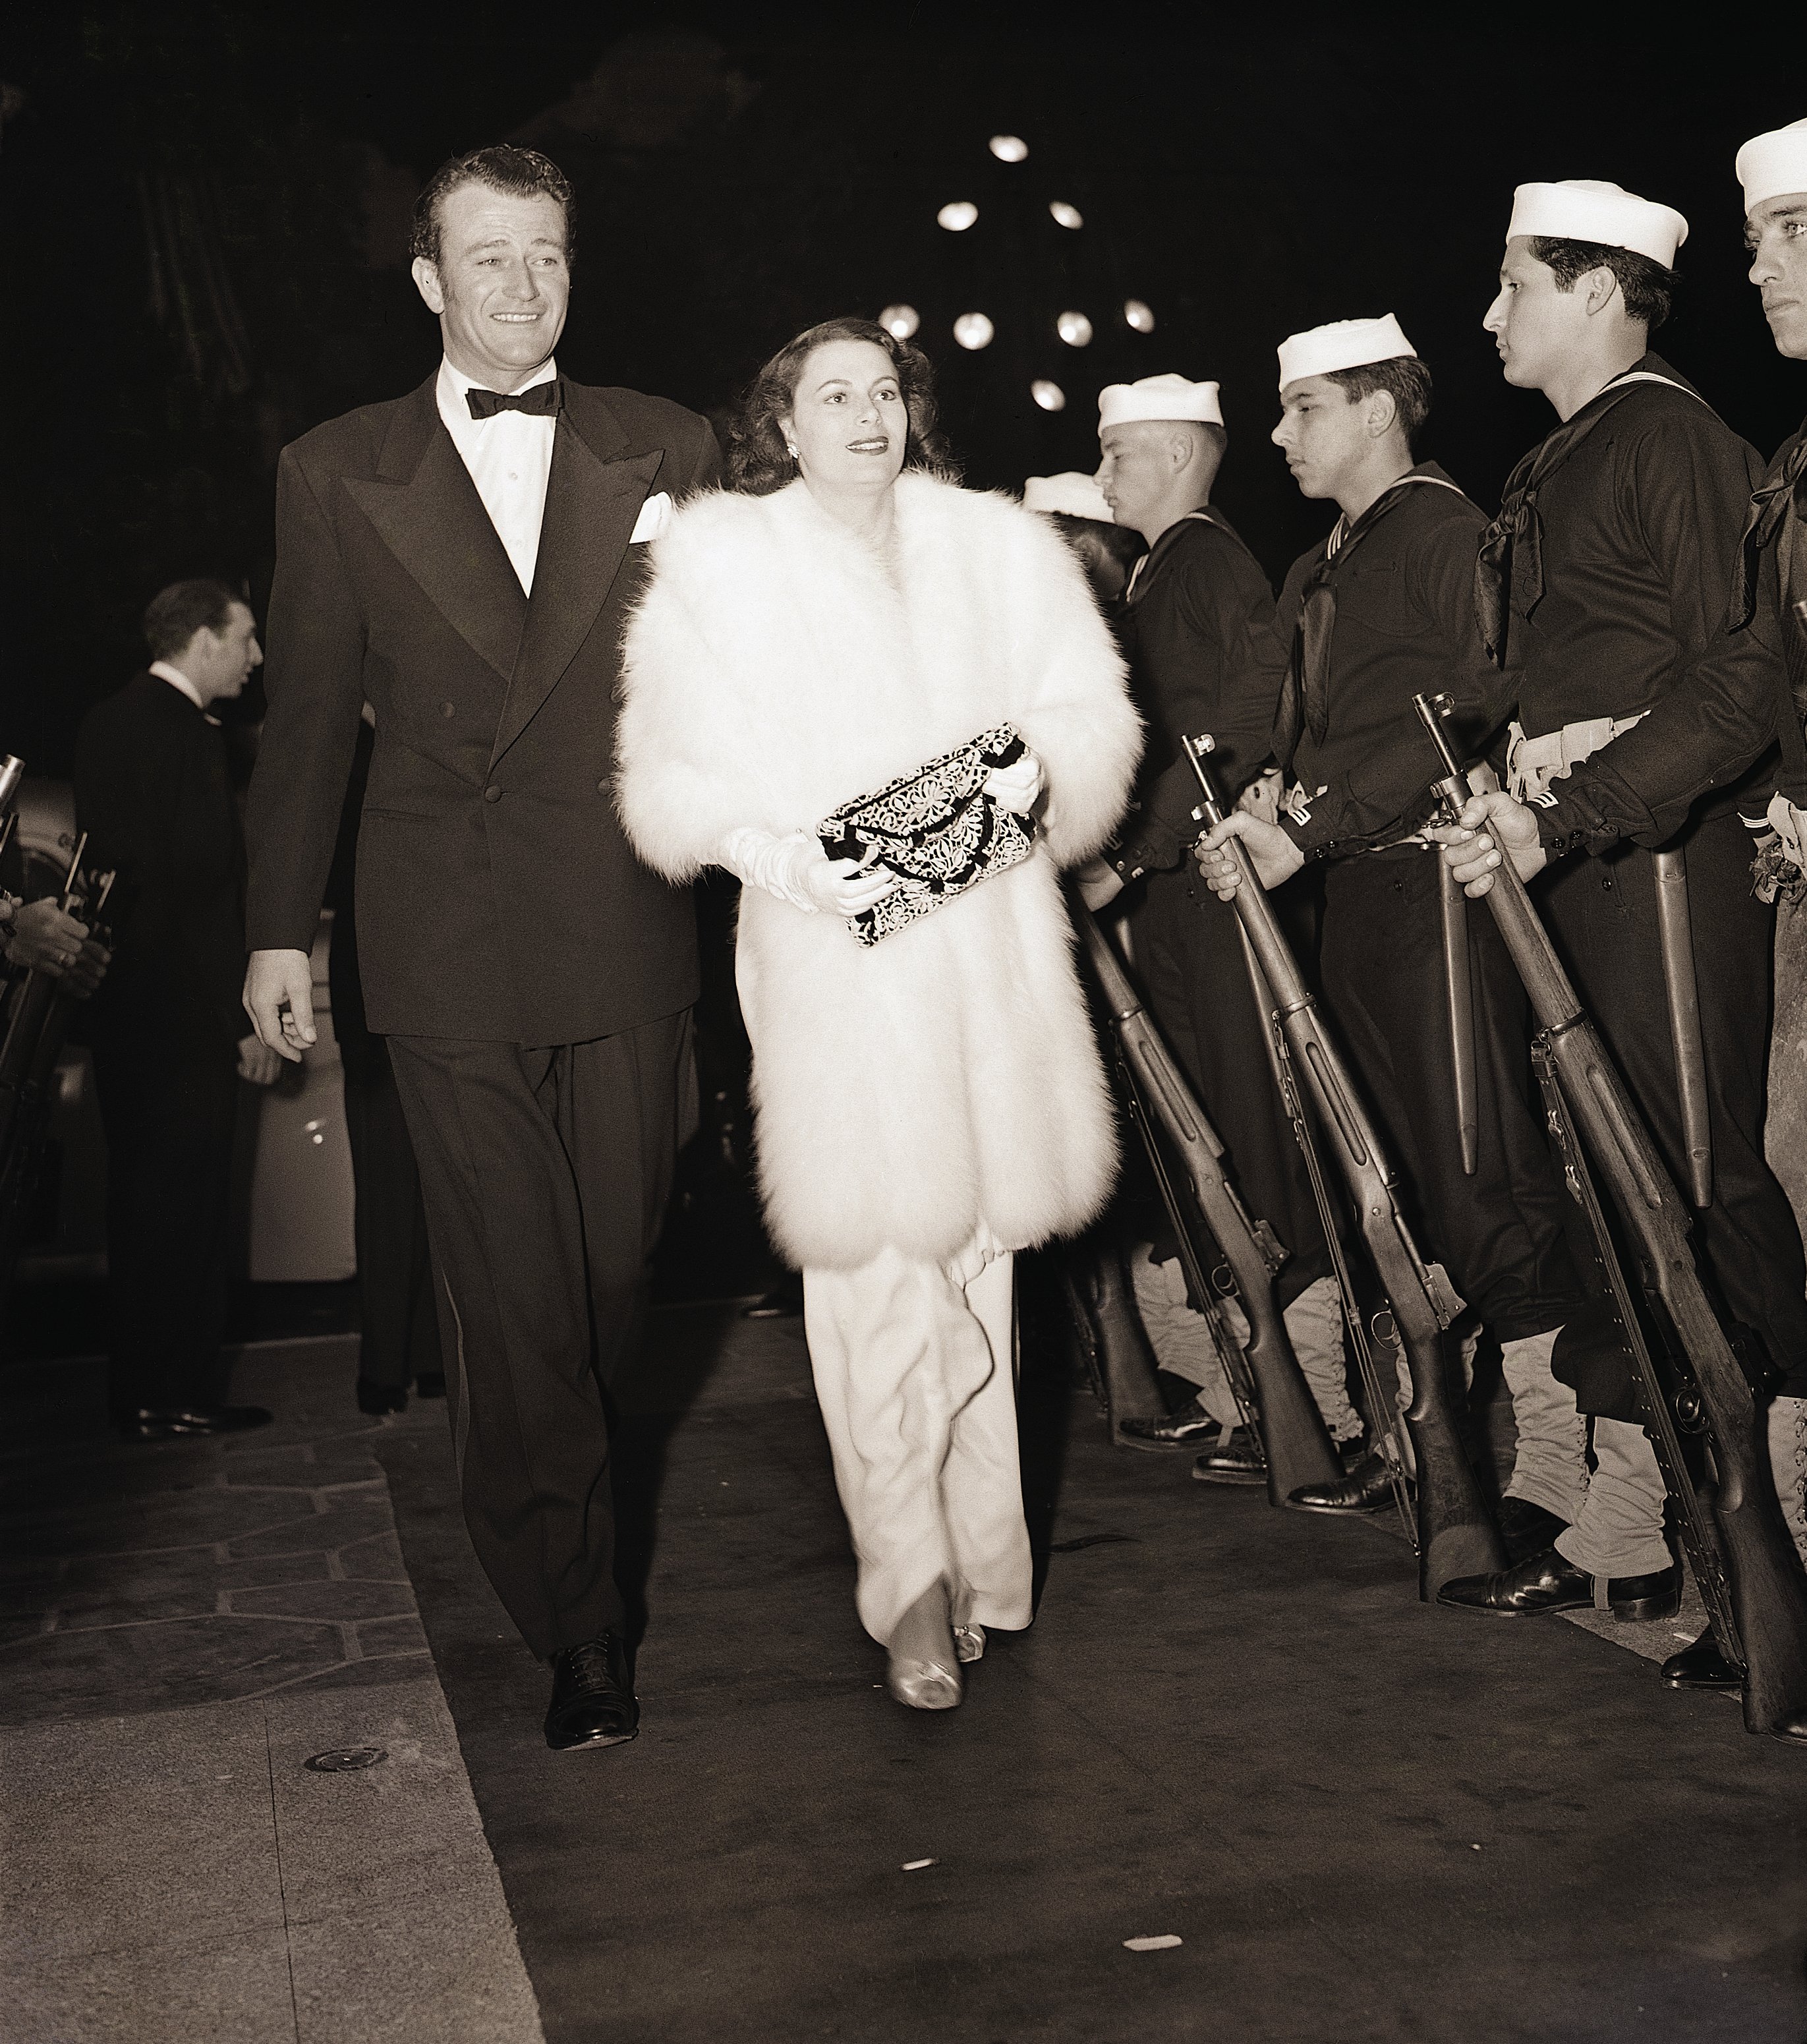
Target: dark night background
[{"x": 206, "y": 210}]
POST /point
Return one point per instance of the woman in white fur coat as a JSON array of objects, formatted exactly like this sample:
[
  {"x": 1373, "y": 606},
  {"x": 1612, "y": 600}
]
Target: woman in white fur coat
[{"x": 928, "y": 1104}]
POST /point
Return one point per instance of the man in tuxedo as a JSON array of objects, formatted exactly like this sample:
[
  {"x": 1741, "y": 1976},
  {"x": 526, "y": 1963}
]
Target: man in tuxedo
[
  {"x": 462, "y": 558},
  {"x": 154, "y": 792}
]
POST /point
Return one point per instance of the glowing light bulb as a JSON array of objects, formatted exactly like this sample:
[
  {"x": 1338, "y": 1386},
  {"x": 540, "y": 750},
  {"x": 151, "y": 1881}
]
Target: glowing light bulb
[
  {"x": 957, "y": 215},
  {"x": 1008, "y": 148},
  {"x": 899, "y": 321},
  {"x": 1138, "y": 316},
  {"x": 973, "y": 330},
  {"x": 1074, "y": 328},
  {"x": 1064, "y": 215},
  {"x": 1050, "y": 397}
]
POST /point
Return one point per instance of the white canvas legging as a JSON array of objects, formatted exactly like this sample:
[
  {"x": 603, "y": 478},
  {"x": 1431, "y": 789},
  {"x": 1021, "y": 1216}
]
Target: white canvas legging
[{"x": 915, "y": 1370}]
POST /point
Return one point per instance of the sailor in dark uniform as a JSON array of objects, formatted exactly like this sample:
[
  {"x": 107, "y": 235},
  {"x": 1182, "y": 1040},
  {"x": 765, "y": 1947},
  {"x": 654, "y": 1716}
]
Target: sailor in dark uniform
[
  {"x": 1381, "y": 611},
  {"x": 1643, "y": 726},
  {"x": 1197, "y": 621},
  {"x": 1772, "y": 578}
]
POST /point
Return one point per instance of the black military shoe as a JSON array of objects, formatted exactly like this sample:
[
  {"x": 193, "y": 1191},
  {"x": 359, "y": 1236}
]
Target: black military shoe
[
  {"x": 1547, "y": 1582},
  {"x": 1186, "y": 1428},
  {"x": 1526, "y": 1528},
  {"x": 1368, "y": 1487},
  {"x": 1237, "y": 1458},
  {"x": 592, "y": 1704},
  {"x": 1702, "y": 1666}
]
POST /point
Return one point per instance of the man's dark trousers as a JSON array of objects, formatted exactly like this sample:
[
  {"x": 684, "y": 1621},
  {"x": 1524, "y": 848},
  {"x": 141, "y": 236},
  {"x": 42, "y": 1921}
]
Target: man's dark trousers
[
  {"x": 546, "y": 1171},
  {"x": 167, "y": 1107},
  {"x": 1503, "y": 1235},
  {"x": 1190, "y": 959},
  {"x": 1602, "y": 914}
]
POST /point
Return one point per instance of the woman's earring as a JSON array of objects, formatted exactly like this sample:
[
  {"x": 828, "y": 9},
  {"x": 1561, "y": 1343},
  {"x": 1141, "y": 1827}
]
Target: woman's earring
[{"x": 791, "y": 450}]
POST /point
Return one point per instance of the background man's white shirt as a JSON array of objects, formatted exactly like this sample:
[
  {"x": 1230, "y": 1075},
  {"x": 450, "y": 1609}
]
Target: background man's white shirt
[
  {"x": 178, "y": 680},
  {"x": 510, "y": 458}
]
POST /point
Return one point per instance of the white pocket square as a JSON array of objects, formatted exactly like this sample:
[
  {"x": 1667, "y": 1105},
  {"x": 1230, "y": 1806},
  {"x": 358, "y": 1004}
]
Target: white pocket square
[{"x": 655, "y": 515}]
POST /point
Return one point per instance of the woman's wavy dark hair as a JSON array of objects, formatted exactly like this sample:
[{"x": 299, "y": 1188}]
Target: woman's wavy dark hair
[{"x": 757, "y": 462}]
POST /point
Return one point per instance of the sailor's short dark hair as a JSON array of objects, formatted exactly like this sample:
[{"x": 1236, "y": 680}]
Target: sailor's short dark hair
[
  {"x": 1404, "y": 378},
  {"x": 502, "y": 168},
  {"x": 1648, "y": 289}
]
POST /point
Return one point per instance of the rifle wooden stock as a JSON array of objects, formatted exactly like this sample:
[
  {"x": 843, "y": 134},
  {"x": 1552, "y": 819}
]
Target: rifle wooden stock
[
  {"x": 1293, "y": 1437},
  {"x": 1691, "y": 1499},
  {"x": 1456, "y": 1534},
  {"x": 1769, "y": 1587}
]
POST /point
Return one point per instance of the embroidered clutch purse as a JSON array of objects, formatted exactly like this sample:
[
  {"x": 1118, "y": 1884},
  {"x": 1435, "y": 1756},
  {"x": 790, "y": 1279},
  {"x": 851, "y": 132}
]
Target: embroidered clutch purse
[{"x": 936, "y": 829}]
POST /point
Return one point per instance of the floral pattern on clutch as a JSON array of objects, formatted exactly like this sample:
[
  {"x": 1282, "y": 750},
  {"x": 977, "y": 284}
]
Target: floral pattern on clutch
[{"x": 935, "y": 828}]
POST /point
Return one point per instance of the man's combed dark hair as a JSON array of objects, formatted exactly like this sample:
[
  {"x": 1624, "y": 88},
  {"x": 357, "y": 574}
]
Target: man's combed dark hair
[
  {"x": 174, "y": 615},
  {"x": 1648, "y": 289},
  {"x": 757, "y": 462},
  {"x": 1404, "y": 378},
  {"x": 518, "y": 172}
]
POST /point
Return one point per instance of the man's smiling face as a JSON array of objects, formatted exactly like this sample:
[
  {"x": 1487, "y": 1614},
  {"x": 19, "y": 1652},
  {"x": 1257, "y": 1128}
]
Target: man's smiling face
[{"x": 502, "y": 282}]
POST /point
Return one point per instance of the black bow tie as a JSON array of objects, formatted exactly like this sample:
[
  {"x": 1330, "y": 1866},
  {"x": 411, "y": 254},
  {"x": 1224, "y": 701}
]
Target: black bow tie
[{"x": 540, "y": 402}]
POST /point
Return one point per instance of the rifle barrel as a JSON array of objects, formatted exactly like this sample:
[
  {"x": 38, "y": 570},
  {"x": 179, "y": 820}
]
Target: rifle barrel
[{"x": 1456, "y": 1534}]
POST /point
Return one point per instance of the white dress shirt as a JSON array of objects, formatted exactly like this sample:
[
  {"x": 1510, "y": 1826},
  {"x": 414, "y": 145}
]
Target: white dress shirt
[{"x": 510, "y": 458}]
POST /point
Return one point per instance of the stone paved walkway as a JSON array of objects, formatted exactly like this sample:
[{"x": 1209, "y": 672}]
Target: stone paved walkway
[{"x": 183, "y": 1627}]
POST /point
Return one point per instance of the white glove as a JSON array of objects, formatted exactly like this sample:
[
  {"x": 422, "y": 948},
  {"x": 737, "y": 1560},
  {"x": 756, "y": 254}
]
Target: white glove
[
  {"x": 795, "y": 869},
  {"x": 1017, "y": 787},
  {"x": 1785, "y": 821}
]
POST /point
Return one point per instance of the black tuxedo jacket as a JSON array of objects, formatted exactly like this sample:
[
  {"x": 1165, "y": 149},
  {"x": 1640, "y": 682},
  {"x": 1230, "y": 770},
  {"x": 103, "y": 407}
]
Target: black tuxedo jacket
[
  {"x": 497, "y": 897},
  {"x": 153, "y": 790}
]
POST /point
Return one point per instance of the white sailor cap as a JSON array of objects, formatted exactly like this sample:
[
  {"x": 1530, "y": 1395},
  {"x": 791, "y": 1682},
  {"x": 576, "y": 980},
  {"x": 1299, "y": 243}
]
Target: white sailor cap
[
  {"x": 1158, "y": 397},
  {"x": 1073, "y": 495},
  {"x": 1584, "y": 209},
  {"x": 1342, "y": 344},
  {"x": 1769, "y": 165}
]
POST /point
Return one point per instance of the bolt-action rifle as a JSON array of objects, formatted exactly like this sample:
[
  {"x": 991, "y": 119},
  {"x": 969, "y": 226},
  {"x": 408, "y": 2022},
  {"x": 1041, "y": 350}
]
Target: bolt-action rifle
[
  {"x": 1456, "y": 1535},
  {"x": 1750, "y": 1576},
  {"x": 1268, "y": 1385}
]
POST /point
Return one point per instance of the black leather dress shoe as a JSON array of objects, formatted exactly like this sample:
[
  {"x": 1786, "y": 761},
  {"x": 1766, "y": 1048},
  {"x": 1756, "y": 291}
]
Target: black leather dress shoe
[
  {"x": 1190, "y": 1428},
  {"x": 1547, "y": 1582},
  {"x": 1368, "y": 1487},
  {"x": 376, "y": 1399},
  {"x": 1702, "y": 1666},
  {"x": 592, "y": 1703},
  {"x": 1237, "y": 1458},
  {"x": 1526, "y": 1528},
  {"x": 163, "y": 1422}
]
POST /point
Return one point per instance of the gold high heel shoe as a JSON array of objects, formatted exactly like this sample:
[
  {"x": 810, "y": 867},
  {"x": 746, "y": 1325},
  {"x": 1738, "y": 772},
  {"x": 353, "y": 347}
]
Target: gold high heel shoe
[
  {"x": 969, "y": 1643},
  {"x": 924, "y": 1685}
]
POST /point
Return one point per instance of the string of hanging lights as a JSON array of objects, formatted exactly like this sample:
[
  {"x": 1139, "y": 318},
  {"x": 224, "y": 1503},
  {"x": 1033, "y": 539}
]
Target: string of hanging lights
[{"x": 974, "y": 329}]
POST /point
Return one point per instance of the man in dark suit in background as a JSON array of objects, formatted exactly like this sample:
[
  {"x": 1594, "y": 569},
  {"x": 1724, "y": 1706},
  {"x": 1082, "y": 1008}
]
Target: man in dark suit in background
[
  {"x": 154, "y": 792},
  {"x": 462, "y": 558}
]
